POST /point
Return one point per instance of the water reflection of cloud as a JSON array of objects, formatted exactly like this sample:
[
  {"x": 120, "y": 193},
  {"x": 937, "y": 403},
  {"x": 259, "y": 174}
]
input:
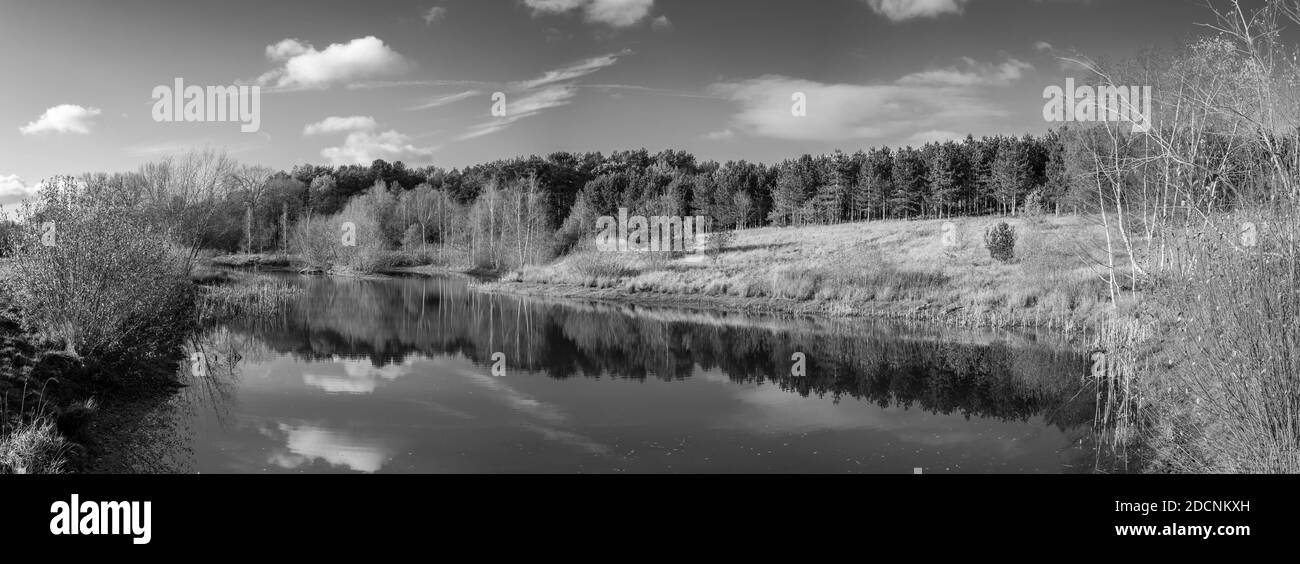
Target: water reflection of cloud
[
  {"x": 552, "y": 421},
  {"x": 359, "y": 376},
  {"x": 771, "y": 409},
  {"x": 305, "y": 444}
]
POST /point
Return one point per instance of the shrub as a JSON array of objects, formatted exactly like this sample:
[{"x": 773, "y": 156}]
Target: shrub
[
  {"x": 101, "y": 279},
  {"x": 314, "y": 241},
  {"x": 795, "y": 283},
  {"x": 413, "y": 239},
  {"x": 1001, "y": 242},
  {"x": 320, "y": 241},
  {"x": 1036, "y": 205},
  {"x": 599, "y": 264},
  {"x": 718, "y": 242}
]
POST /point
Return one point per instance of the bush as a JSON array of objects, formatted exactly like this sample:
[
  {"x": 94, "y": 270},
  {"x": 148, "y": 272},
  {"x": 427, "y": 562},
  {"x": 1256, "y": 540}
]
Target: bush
[
  {"x": 314, "y": 241},
  {"x": 413, "y": 239},
  {"x": 599, "y": 264},
  {"x": 1001, "y": 242},
  {"x": 99, "y": 278},
  {"x": 718, "y": 242},
  {"x": 320, "y": 241},
  {"x": 795, "y": 283},
  {"x": 1036, "y": 205}
]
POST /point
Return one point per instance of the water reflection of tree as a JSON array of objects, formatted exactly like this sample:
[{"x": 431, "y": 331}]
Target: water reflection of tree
[
  {"x": 222, "y": 349},
  {"x": 385, "y": 321}
]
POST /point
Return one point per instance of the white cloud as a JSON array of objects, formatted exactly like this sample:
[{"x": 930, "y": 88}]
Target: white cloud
[
  {"x": 973, "y": 74},
  {"x": 720, "y": 135},
  {"x": 662, "y": 23},
  {"x": 285, "y": 50},
  {"x": 308, "y": 443},
  {"x": 903, "y": 10},
  {"x": 359, "y": 377},
  {"x": 13, "y": 191},
  {"x": 615, "y": 13},
  {"x": 434, "y": 14},
  {"x": 334, "y": 124},
  {"x": 363, "y": 147},
  {"x": 63, "y": 118},
  {"x": 1043, "y": 46},
  {"x": 303, "y": 66}
]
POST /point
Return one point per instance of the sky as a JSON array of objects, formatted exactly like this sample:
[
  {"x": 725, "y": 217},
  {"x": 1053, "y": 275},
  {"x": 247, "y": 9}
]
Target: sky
[{"x": 346, "y": 82}]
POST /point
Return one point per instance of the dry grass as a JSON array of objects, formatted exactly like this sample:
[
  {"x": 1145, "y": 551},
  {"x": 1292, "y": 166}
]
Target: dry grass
[
  {"x": 32, "y": 447},
  {"x": 882, "y": 267}
]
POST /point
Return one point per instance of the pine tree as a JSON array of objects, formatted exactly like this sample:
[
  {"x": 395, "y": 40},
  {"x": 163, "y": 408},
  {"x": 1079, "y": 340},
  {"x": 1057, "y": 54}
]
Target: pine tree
[
  {"x": 1057, "y": 181},
  {"x": 787, "y": 196},
  {"x": 909, "y": 183},
  {"x": 1011, "y": 175},
  {"x": 949, "y": 173}
]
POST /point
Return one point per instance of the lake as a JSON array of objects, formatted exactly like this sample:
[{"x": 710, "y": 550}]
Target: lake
[{"x": 425, "y": 375}]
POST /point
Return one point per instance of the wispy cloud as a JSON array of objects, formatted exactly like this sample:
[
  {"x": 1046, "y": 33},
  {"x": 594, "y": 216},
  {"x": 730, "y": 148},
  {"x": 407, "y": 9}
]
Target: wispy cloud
[
  {"x": 548, "y": 420},
  {"x": 335, "y": 124},
  {"x": 553, "y": 89},
  {"x": 573, "y": 71},
  {"x": 434, "y": 15},
  {"x": 972, "y": 73},
  {"x": 531, "y": 104},
  {"x": 842, "y": 112},
  {"x": 445, "y": 99}
]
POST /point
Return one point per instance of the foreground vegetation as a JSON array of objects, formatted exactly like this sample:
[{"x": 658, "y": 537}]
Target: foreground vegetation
[{"x": 97, "y": 298}]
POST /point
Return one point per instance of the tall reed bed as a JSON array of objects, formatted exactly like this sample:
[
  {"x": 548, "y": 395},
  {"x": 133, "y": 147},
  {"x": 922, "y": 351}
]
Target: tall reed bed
[
  {"x": 1233, "y": 402},
  {"x": 257, "y": 297}
]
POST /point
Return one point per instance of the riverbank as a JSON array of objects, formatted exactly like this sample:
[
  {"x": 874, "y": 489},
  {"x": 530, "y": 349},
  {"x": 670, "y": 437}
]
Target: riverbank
[
  {"x": 887, "y": 269},
  {"x": 61, "y": 412}
]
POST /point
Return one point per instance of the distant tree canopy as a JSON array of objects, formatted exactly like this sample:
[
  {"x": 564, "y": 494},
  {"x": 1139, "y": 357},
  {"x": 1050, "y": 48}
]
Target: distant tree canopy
[
  {"x": 974, "y": 176},
  {"x": 257, "y": 209}
]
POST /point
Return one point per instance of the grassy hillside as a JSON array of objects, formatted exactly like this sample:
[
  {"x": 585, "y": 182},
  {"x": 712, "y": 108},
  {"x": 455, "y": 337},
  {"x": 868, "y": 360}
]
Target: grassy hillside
[{"x": 885, "y": 268}]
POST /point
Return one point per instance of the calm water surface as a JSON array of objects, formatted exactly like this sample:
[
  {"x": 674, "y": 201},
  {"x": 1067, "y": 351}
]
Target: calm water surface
[{"x": 396, "y": 376}]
